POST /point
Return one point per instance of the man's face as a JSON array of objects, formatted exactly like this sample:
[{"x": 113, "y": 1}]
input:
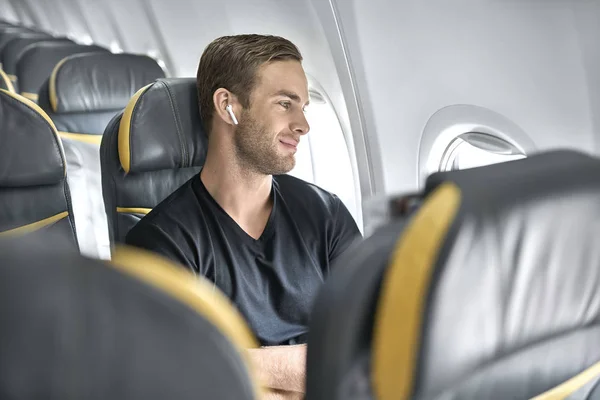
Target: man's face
[{"x": 269, "y": 131}]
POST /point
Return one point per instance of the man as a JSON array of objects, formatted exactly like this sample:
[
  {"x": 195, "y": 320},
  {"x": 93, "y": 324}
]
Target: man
[{"x": 265, "y": 238}]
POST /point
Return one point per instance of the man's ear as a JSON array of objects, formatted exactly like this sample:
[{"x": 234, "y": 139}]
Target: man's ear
[{"x": 221, "y": 99}]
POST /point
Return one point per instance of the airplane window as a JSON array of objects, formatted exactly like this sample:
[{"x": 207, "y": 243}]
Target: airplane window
[
  {"x": 474, "y": 149},
  {"x": 323, "y": 157},
  {"x": 464, "y": 136}
]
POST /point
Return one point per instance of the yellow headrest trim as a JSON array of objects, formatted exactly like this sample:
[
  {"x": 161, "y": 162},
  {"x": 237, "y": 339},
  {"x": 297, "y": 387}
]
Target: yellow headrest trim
[
  {"x": 81, "y": 137},
  {"x": 30, "y": 96},
  {"x": 398, "y": 320},
  {"x": 195, "y": 292},
  {"x": 34, "y": 226},
  {"x": 125, "y": 128},
  {"x": 52, "y": 85},
  {"x": 133, "y": 210},
  {"x": 7, "y": 81},
  {"x": 37, "y": 109},
  {"x": 567, "y": 388}
]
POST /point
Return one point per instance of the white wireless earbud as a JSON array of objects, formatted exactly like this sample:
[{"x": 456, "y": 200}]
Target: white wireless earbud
[{"x": 230, "y": 111}]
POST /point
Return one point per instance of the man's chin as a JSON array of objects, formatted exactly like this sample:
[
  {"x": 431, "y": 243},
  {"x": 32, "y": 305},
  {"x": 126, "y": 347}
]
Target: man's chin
[{"x": 284, "y": 170}]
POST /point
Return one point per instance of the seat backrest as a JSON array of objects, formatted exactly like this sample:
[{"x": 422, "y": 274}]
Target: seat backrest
[
  {"x": 7, "y": 35},
  {"x": 81, "y": 96},
  {"x": 34, "y": 194},
  {"x": 13, "y": 51},
  {"x": 38, "y": 60},
  {"x": 488, "y": 291},
  {"x": 149, "y": 150},
  {"x": 85, "y": 91},
  {"x": 140, "y": 328}
]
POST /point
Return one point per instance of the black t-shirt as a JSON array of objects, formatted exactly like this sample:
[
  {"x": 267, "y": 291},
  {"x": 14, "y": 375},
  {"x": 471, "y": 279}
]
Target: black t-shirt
[{"x": 272, "y": 280}]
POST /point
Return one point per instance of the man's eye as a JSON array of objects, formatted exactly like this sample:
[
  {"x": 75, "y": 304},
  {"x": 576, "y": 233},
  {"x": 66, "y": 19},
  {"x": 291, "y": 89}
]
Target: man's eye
[{"x": 284, "y": 104}]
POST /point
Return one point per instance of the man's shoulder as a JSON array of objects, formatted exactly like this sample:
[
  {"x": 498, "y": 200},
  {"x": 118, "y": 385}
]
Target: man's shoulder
[
  {"x": 314, "y": 197},
  {"x": 174, "y": 210},
  {"x": 321, "y": 212},
  {"x": 166, "y": 229}
]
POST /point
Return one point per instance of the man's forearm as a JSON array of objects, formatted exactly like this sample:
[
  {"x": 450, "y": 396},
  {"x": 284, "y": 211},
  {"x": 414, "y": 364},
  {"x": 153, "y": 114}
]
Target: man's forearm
[{"x": 281, "y": 367}]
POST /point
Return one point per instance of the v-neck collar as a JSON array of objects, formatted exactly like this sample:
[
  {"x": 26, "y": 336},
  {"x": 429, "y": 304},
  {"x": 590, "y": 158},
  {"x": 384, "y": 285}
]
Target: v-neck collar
[{"x": 267, "y": 231}]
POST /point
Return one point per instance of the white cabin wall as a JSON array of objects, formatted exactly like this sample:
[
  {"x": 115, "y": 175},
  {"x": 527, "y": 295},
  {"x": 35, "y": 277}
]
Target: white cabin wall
[
  {"x": 46, "y": 15},
  {"x": 587, "y": 23},
  {"x": 103, "y": 28},
  {"x": 23, "y": 14},
  {"x": 519, "y": 58},
  {"x": 8, "y": 13},
  {"x": 77, "y": 25}
]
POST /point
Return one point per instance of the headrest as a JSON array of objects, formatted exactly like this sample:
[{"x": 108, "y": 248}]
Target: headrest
[
  {"x": 161, "y": 128},
  {"x": 540, "y": 166},
  {"x": 39, "y": 59},
  {"x": 499, "y": 265},
  {"x": 6, "y": 37},
  {"x": 99, "y": 81},
  {"x": 15, "y": 48},
  {"x": 31, "y": 153}
]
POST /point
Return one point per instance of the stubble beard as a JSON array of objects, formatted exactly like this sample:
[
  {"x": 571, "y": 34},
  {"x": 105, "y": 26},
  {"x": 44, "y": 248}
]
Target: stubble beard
[{"x": 256, "y": 151}]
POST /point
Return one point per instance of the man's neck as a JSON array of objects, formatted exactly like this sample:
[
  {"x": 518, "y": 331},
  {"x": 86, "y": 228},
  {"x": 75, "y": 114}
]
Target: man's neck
[{"x": 243, "y": 194}]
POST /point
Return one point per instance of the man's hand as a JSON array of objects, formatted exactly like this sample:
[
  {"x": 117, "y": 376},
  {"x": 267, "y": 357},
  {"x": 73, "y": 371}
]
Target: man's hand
[{"x": 282, "y": 369}]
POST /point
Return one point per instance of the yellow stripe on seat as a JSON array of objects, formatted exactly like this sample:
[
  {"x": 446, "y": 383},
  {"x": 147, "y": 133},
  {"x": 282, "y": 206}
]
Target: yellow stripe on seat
[
  {"x": 7, "y": 81},
  {"x": 30, "y": 96},
  {"x": 81, "y": 137},
  {"x": 197, "y": 293},
  {"x": 25, "y": 229},
  {"x": 125, "y": 130},
  {"x": 569, "y": 387},
  {"x": 133, "y": 210},
  {"x": 52, "y": 85},
  {"x": 12, "y": 77},
  {"x": 399, "y": 315}
]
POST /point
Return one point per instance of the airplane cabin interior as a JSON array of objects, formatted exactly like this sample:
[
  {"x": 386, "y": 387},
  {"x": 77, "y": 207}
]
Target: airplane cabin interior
[{"x": 461, "y": 136}]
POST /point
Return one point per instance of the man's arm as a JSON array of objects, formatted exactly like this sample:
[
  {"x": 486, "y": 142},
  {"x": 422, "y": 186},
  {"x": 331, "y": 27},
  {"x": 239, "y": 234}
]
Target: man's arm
[{"x": 282, "y": 368}]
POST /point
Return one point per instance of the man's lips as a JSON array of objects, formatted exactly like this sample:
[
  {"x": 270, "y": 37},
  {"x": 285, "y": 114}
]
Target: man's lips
[{"x": 289, "y": 142}]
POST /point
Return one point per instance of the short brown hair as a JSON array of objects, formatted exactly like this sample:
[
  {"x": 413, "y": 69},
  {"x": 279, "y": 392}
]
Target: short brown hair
[{"x": 231, "y": 62}]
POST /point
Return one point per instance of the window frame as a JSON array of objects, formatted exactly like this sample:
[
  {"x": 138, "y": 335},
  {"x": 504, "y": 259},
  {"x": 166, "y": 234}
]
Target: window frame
[
  {"x": 449, "y": 123},
  {"x": 317, "y": 90},
  {"x": 449, "y": 156}
]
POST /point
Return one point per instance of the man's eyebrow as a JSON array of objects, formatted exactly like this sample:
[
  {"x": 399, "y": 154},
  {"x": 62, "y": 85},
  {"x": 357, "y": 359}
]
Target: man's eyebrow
[{"x": 291, "y": 95}]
